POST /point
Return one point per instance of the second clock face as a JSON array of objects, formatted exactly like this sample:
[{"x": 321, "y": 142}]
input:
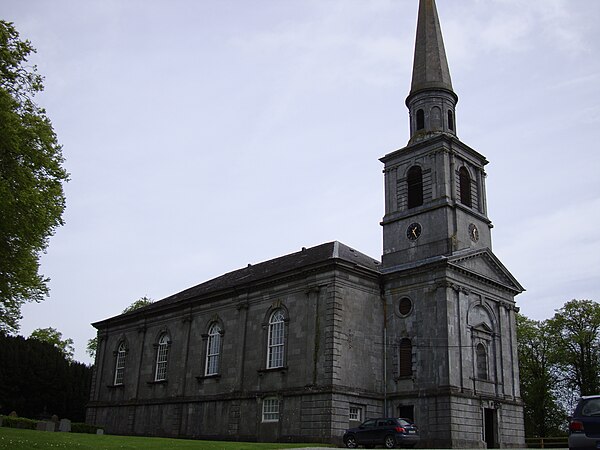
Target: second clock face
[{"x": 413, "y": 231}]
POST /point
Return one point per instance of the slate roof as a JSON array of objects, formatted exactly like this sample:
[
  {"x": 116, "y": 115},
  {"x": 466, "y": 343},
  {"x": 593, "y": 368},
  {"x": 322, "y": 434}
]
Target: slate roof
[{"x": 306, "y": 257}]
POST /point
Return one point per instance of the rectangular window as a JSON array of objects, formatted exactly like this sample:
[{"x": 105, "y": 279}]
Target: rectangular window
[
  {"x": 355, "y": 414},
  {"x": 270, "y": 411}
]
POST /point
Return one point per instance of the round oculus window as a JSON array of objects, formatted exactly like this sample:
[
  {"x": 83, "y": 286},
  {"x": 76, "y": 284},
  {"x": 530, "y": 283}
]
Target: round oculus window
[{"x": 405, "y": 306}]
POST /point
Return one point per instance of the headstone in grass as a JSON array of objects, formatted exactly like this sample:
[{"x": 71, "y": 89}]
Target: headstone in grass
[
  {"x": 65, "y": 425},
  {"x": 45, "y": 425},
  {"x": 99, "y": 431}
]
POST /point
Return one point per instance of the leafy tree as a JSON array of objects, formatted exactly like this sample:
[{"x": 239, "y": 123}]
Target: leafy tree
[
  {"x": 576, "y": 334},
  {"x": 92, "y": 347},
  {"x": 54, "y": 337},
  {"x": 92, "y": 344},
  {"x": 140, "y": 303},
  {"x": 543, "y": 414},
  {"x": 32, "y": 200}
]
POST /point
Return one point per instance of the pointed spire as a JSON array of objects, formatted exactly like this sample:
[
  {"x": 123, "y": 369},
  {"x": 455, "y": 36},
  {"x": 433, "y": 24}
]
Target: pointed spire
[
  {"x": 430, "y": 67},
  {"x": 432, "y": 101}
]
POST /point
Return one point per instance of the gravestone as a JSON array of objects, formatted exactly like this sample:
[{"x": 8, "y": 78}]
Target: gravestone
[
  {"x": 99, "y": 431},
  {"x": 65, "y": 425},
  {"x": 45, "y": 425}
]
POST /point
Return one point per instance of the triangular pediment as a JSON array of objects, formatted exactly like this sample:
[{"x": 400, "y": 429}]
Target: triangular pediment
[{"x": 484, "y": 264}]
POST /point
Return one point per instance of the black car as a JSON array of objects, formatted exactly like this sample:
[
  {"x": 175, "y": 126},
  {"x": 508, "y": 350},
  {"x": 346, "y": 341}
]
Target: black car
[
  {"x": 388, "y": 431},
  {"x": 584, "y": 426}
]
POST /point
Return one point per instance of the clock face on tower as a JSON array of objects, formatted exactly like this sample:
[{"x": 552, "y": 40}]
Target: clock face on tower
[{"x": 413, "y": 231}]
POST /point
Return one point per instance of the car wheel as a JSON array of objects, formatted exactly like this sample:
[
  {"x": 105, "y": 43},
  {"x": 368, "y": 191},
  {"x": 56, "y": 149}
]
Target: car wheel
[
  {"x": 389, "y": 441},
  {"x": 351, "y": 442}
]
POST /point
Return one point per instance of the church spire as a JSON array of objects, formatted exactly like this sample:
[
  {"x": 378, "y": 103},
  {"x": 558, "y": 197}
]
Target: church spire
[{"x": 432, "y": 100}]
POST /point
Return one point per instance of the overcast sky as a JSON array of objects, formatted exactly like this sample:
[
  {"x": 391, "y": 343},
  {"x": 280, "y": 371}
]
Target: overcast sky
[{"x": 203, "y": 135}]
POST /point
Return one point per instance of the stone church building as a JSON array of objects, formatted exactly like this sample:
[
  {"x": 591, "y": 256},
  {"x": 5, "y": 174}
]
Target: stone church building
[{"x": 303, "y": 346}]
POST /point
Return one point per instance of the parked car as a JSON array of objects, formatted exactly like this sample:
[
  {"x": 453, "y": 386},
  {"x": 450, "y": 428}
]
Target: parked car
[
  {"x": 387, "y": 431},
  {"x": 584, "y": 426}
]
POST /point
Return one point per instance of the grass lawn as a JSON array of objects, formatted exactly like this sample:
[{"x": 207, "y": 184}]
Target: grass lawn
[{"x": 15, "y": 439}]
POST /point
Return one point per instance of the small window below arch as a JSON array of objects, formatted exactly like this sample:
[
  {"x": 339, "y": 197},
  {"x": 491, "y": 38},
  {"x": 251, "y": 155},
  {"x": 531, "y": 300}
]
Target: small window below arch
[
  {"x": 464, "y": 180},
  {"x": 482, "y": 366},
  {"x": 270, "y": 411},
  {"x": 414, "y": 181},
  {"x": 450, "y": 120},
  {"x": 405, "y": 362},
  {"x": 420, "y": 119}
]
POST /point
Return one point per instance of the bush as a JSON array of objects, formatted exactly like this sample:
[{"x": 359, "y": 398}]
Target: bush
[
  {"x": 83, "y": 428},
  {"x": 18, "y": 422}
]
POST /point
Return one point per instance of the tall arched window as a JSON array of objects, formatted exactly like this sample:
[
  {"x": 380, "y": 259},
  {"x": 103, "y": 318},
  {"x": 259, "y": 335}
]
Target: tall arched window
[
  {"x": 276, "y": 340},
  {"x": 481, "y": 358},
  {"x": 213, "y": 350},
  {"x": 414, "y": 180},
  {"x": 420, "y": 119},
  {"x": 162, "y": 353},
  {"x": 464, "y": 180},
  {"x": 450, "y": 121},
  {"x": 405, "y": 363},
  {"x": 120, "y": 363}
]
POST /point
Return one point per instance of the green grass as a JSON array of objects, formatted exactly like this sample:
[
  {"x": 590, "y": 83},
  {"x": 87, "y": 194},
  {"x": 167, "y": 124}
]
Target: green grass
[{"x": 16, "y": 439}]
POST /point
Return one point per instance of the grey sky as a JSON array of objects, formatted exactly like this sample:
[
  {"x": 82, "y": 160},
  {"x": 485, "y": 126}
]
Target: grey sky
[{"x": 205, "y": 135}]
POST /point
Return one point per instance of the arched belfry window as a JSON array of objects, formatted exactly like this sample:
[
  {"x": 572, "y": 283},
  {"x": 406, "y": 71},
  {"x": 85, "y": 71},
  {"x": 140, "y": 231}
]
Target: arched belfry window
[
  {"x": 464, "y": 180},
  {"x": 213, "y": 350},
  {"x": 481, "y": 361},
  {"x": 162, "y": 354},
  {"x": 450, "y": 120},
  {"x": 276, "y": 340},
  {"x": 420, "y": 119},
  {"x": 405, "y": 363},
  {"x": 414, "y": 180},
  {"x": 121, "y": 355}
]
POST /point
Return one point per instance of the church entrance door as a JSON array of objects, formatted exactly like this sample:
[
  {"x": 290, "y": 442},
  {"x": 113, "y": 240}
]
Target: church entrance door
[{"x": 489, "y": 432}]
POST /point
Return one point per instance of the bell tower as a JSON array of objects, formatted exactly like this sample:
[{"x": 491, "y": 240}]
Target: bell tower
[
  {"x": 451, "y": 326},
  {"x": 435, "y": 202}
]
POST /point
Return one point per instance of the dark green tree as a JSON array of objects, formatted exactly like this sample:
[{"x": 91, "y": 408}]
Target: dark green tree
[
  {"x": 37, "y": 381},
  {"x": 32, "y": 200},
  {"x": 575, "y": 332},
  {"x": 54, "y": 337},
  {"x": 543, "y": 414}
]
